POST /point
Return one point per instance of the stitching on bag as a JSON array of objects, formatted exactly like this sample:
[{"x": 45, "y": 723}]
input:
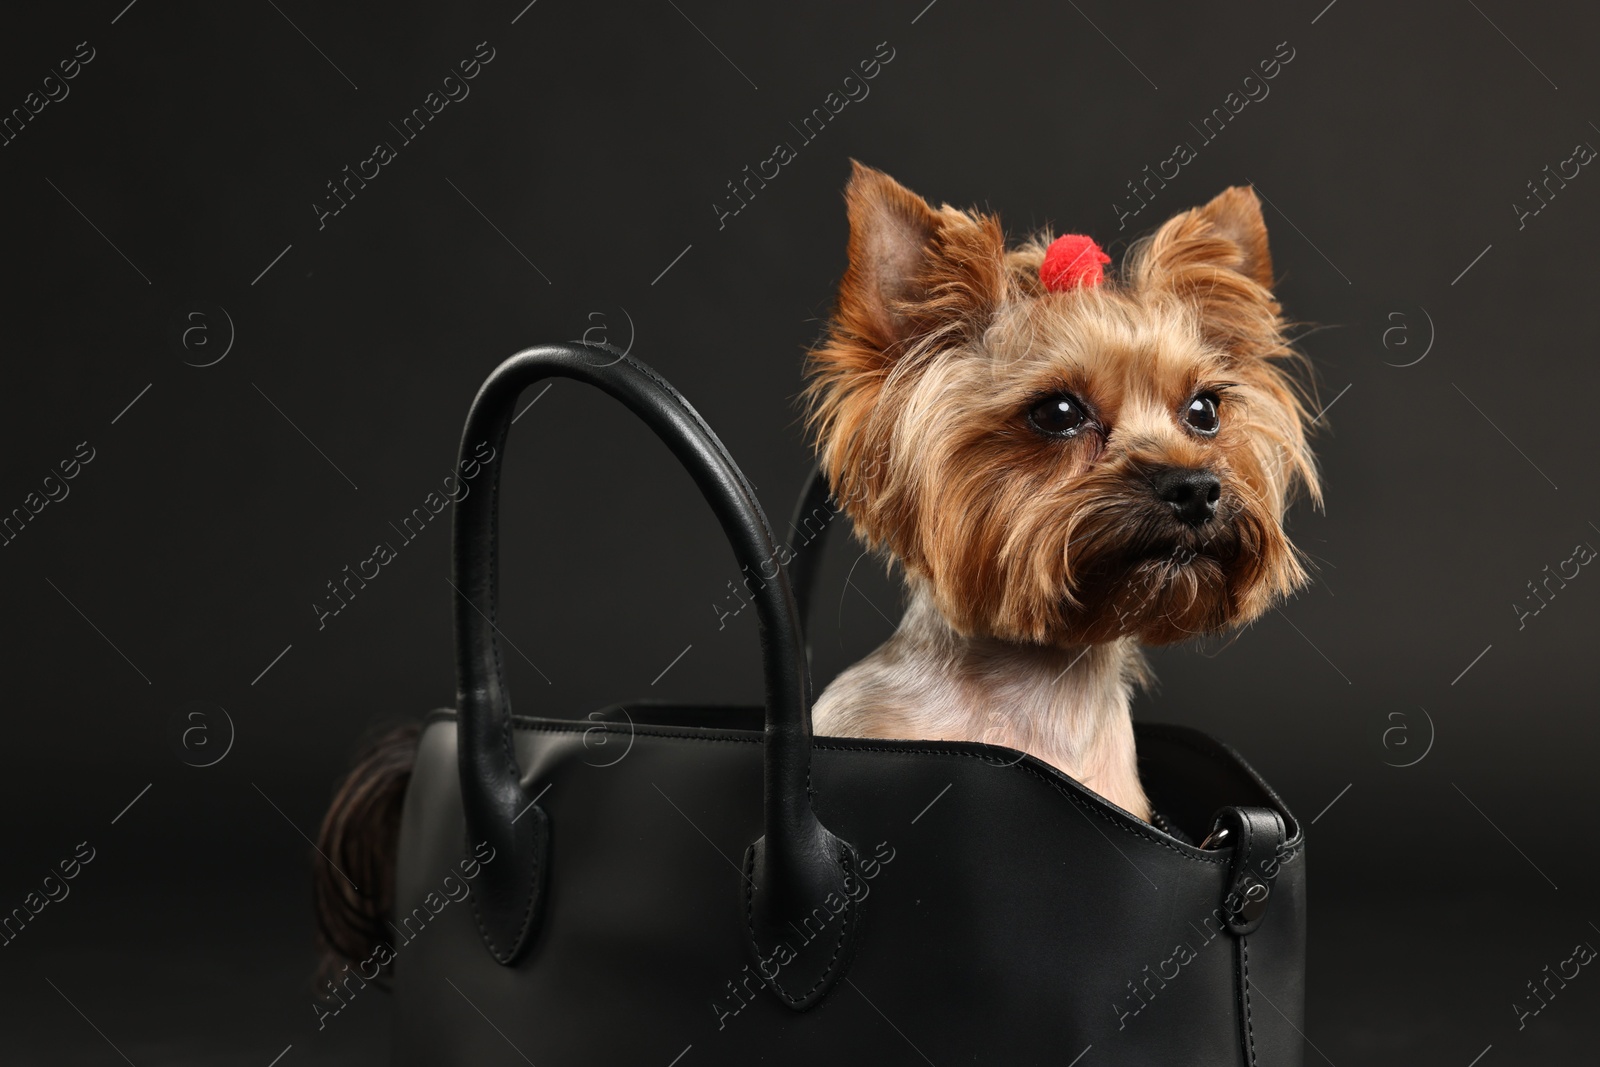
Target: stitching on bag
[
  {"x": 507, "y": 724},
  {"x": 1086, "y": 806},
  {"x": 488, "y": 938},
  {"x": 533, "y": 895},
  {"x": 477, "y": 917},
  {"x": 1082, "y": 804},
  {"x": 494, "y": 603},
  {"x": 1079, "y": 802},
  {"x": 445, "y": 714},
  {"x": 483, "y": 931},
  {"x": 849, "y": 926},
  {"x": 1249, "y": 1023}
]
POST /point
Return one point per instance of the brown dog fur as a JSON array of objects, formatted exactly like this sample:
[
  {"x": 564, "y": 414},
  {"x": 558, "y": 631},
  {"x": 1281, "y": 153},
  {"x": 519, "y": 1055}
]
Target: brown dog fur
[
  {"x": 1037, "y": 564},
  {"x": 353, "y": 869}
]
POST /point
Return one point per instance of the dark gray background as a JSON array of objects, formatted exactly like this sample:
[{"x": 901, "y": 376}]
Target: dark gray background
[{"x": 187, "y": 157}]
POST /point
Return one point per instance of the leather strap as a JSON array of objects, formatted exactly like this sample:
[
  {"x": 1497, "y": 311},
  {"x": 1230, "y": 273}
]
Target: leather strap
[
  {"x": 1245, "y": 1009},
  {"x": 1257, "y": 836},
  {"x": 797, "y": 862}
]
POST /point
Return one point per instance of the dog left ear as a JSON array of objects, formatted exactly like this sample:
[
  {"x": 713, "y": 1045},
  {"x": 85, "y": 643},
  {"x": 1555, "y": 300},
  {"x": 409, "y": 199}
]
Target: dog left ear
[
  {"x": 1236, "y": 215},
  {"x": 1216, "y": 258}
]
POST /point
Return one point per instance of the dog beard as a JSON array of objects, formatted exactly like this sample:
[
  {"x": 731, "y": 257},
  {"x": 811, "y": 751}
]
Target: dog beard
[{"x": 1163, "y": 588}]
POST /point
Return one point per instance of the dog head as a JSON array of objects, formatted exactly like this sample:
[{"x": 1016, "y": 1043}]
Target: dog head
[{"x": 1060, "y": 465}]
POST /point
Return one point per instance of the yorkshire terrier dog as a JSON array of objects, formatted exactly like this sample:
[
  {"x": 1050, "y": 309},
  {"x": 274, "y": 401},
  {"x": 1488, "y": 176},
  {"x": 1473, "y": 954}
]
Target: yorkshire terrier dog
[{"x": 1065, "y": 466}]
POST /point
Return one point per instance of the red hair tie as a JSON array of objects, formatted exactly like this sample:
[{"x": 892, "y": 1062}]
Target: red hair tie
[{"x": 1071, "y": 261}]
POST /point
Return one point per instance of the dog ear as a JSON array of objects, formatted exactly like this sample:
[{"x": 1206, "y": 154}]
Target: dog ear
[
  {"x": 1216, "y": 258},
  {"x": 1235, "y": 213},
  {"x": 918, "y": 276},
  {"x": 914, "y": 270}
]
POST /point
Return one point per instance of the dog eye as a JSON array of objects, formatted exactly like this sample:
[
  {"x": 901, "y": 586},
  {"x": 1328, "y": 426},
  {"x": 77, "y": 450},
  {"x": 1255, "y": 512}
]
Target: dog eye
[
  {"x": 1058, "y": 416},
  {"x": 1201, "y": 414}
]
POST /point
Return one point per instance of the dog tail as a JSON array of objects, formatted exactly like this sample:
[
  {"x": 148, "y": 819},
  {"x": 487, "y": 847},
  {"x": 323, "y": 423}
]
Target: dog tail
[{"x": 353, "y": 871}]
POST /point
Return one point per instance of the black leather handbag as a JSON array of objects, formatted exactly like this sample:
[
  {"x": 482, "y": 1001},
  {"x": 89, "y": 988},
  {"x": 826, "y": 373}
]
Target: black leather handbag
[{"x": 736, "y": 891}]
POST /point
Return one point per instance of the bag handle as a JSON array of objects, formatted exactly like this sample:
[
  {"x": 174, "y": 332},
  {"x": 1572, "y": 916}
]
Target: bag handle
[{"x": 797, "y": 862}]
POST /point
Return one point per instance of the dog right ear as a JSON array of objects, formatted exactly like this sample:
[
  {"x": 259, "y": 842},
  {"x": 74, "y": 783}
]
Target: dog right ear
[
  {"x": 914, "y": 270},
  {"x": 919, "y": 276}
]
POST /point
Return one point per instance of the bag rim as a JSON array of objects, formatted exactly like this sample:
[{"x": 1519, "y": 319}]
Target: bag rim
[{"x": 1196, "y": 741}]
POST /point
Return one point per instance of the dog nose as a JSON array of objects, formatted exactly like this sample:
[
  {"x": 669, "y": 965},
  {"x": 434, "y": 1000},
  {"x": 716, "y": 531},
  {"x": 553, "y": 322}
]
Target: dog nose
[{"x": 1192, "y": 493}]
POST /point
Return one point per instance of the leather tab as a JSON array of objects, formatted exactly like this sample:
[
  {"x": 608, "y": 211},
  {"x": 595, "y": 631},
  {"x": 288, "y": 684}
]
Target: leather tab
[
  {"x": 508, "y": 908},
  {"x": 801, "y": 923},
  {"x": 1257, "y": 836}
]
